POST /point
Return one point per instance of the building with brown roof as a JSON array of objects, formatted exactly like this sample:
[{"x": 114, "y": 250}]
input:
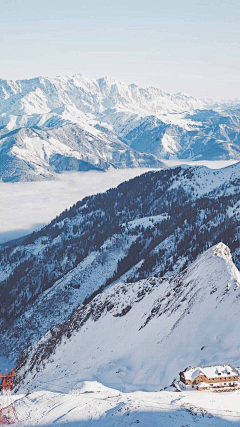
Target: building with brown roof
[{"x": 210, "y": 377}]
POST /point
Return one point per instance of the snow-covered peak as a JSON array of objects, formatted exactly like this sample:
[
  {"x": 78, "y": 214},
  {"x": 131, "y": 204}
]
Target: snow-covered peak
[
  {"x": 155, "y": 328},
  {"x": 108, "y": 81},
  {"x": 42, "y": 94},
  {"x": 223, "y": 251},
  {"x": 214, "y": 269},
  {"x": 146, "y": 119}
]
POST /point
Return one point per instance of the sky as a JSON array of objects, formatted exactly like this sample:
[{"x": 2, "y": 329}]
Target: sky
[{"x": 189, "y": 46}]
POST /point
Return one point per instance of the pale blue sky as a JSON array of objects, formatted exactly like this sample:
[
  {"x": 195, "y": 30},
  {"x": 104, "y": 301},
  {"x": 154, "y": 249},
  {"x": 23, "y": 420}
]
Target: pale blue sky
[{"x": 177, "y": 45}]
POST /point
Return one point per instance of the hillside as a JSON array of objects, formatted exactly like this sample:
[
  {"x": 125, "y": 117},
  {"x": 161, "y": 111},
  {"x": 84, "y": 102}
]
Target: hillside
[
  {"x": 206, "y": 134},
  {"x": 154, "y": 328},
  {"x": 155, "y": 224},
  {"x": 30, "y": 154},
  {"x": 50, "y": 125},
  {"x": 92, "y": 404}
]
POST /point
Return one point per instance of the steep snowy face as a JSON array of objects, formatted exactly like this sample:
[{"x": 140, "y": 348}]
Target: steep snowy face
[
  {"x": 140, "y": 335},
  {"x": 41, "y": 95},
  {"x": 40, "y": 153},
  {"x": 214, "y": 269},
  {"x": 208, "y": 135}
]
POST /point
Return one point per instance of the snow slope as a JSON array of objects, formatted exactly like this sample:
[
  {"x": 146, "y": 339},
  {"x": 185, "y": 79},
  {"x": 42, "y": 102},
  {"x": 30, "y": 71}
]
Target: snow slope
[
  {"x": 205, "y": 134},
  {"x": 42, "y": 95},
  {"x": 36, "y": 154},
  {"x": 155, "y": 224},
  {"x": 92, "y": 404},
  {"x": 140, "y": 335}
]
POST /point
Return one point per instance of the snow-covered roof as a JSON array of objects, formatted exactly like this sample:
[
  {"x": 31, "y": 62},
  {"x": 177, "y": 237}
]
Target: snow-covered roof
[
  {"x": 214, "y": 371},
  {"x": 205, "y": 385}
]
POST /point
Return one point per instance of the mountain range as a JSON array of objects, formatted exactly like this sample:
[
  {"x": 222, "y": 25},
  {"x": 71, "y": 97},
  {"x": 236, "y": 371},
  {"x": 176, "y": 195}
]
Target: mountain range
[{"x": 50, "y": 125}]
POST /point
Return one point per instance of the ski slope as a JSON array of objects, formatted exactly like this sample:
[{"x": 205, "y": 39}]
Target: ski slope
[{"x": 91, "y": 404}]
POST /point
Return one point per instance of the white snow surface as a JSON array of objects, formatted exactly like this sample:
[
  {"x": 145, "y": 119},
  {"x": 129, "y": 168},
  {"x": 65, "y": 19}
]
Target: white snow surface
[
  {"x": 214, "y": 371},
  {"x": 48, "y": 125},
  {"x": 147, "y": 221},
  {"x": 141, "y": 335},
  {"x": 42, "y": 95},
  {"x": 93, "y": 404}
]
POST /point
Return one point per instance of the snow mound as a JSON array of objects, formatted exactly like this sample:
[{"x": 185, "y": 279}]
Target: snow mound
[{"x": 103, "y": 407}]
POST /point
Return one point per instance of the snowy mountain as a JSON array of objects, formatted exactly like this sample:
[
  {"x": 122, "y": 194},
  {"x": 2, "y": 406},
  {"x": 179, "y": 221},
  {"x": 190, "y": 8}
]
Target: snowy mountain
[
  {"x": 155, "y": 224},
  {"x": 126, "y": 288},
  {"x": 48, "y": 125},
  {"x": 42, "y": 95},
  {"x": 140, "y": 335},
  {"x": 36, "y": 153},
  {"x": 206, "y": 134}
]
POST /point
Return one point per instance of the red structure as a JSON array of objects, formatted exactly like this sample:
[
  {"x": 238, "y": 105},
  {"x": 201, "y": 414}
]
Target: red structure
[{"x": 8, "y": 413}]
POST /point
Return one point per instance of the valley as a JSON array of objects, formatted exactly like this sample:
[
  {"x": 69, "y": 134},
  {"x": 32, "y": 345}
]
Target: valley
[{"x": 28, "y": 206}]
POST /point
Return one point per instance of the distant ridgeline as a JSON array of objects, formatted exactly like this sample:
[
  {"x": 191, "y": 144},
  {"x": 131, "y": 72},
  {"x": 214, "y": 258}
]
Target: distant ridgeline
[{"x": 50, "y": 125}]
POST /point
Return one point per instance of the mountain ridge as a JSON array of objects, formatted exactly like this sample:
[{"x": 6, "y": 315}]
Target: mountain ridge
[
  {"x": 110, "y": 123},
  {"x": 150, "y": 315},
  {"x": 155, "y": 224}
]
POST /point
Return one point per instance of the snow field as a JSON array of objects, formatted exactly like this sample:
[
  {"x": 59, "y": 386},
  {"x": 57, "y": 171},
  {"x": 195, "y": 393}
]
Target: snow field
[{"x": 91, "y": 403}]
